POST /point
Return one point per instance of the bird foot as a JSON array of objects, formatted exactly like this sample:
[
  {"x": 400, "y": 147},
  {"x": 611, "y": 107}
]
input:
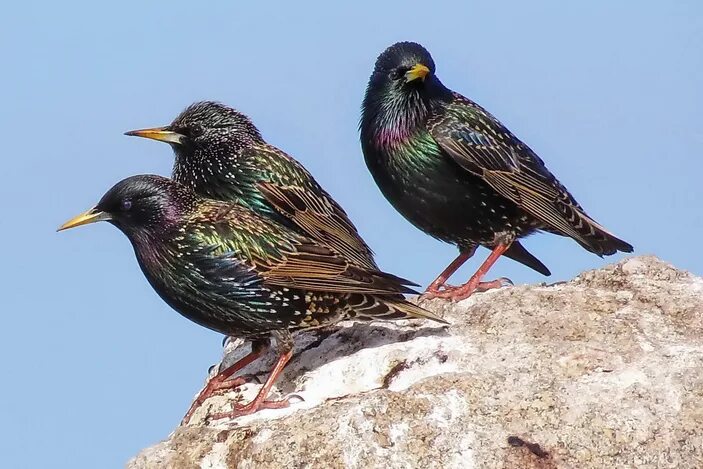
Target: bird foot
[
  {"x": 255, "y": 406},
  {"x": 469, "y": 288},
  {"x": 245, "y": 379},
  {"x": 215, "y": 387},
  {"x": 433, "y": 290}
]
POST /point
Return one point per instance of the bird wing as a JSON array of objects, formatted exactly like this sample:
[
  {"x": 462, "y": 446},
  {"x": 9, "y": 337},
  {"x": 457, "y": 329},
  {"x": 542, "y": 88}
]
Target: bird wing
[
  {"x": 299, "y": 198},
  {"x": 320, "y": 217},
  {"x": 479, "y": 143},
  {"x": 281, "y": 257}
]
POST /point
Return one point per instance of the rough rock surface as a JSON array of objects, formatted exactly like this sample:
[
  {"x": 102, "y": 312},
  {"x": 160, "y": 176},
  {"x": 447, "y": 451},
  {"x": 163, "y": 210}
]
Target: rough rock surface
[{"x": 603, "y": 371}]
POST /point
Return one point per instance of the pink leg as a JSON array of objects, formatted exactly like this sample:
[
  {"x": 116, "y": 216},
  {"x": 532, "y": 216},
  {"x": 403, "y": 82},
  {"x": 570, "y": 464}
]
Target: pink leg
[
  {"x": 259, "y": 401},
  {"x": 220, "y": 382},
  {"x": 475, "y": 284},
  {"x": 439, "y": 282}
]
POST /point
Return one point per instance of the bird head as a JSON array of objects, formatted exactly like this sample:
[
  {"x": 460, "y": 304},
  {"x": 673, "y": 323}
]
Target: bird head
[
  {"x": 205, "y": 133},
  {"x": 401, "y": 87},
  {"x": 403, "y": 69},
  {"x": 140, "y": 206}
]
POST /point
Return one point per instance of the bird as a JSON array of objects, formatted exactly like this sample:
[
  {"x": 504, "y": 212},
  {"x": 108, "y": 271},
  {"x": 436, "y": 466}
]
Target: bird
[
  {"x": 220, "y": 154},
  {"x": 457, "y": 173},
  {"x": 231, "y": 270}
]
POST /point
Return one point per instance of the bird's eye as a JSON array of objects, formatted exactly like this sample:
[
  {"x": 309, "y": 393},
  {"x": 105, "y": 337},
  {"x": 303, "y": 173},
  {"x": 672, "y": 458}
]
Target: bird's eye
[
  {"x": 195, "y": 130},
  {"x": 126, "y": 205},
  {"x": 397, "y": 73},
  {"x": 190, "y": 130}
]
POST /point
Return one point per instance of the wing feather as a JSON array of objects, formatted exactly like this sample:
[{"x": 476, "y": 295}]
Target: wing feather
[
  {"x": 299, "y": 198},
  {"x": 479, "y": 143},
  {"x": 280, "y": 256}
]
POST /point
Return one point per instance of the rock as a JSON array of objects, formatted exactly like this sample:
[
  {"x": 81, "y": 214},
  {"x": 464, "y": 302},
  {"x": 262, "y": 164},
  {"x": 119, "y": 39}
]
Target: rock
[{"x": 602, "y": 371}]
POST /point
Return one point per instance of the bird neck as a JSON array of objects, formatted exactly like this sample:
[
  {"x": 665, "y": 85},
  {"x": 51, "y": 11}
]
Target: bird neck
[
  {"x": 231, "y": 175},
  {"x": 151, "y": 245},
  {"x": 210, "y": 173},
  {"x": 391, "y": 121},
  {"x": 158, "y": 257}
]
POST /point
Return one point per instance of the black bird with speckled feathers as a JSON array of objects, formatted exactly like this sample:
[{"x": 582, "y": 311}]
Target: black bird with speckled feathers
[
  {"x": 232, "y": 270},
  {"x": 455, "y": 172},
  {"x": 221, "y": 154}
]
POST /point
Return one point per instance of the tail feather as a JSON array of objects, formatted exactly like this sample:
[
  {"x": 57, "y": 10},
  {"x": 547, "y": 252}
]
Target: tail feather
[
  {"x": 517, "y": 252},
  {"x": 389, "y": 308},
  {"x": 609, "y": 245},
  {"x": 402, "y": 281},
  {"x": 595, "y": 238},
  {"x": 382, "y": 282}
]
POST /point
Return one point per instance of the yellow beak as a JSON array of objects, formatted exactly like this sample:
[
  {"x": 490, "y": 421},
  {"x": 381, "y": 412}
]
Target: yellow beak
[
  {"x": 162, "y": 134},
  {"x": 418, "y": 71},
  {"x": 91, "y": 216}
]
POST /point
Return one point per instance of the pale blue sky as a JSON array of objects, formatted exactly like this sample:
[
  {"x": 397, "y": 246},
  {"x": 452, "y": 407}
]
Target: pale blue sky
[{"x": 95, "y": 366}]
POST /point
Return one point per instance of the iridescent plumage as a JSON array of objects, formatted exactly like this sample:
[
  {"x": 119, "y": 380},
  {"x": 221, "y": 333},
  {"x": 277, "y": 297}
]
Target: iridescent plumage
[
  {"x": 222, "y": 155},
  {"x": 455, "y": 172},
  {"x": 234, "y": 271}
]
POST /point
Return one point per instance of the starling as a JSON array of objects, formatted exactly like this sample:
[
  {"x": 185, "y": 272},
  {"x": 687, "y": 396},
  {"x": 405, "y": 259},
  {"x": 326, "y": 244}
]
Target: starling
[
  {"x": 221, "y": 155},
  {"x": 455, "y": 172},
  {"x": 229, "y": 269}
]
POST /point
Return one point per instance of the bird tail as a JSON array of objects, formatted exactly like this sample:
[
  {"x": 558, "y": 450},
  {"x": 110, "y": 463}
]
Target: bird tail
[
  {"x": 517, "y": 252},
  {"x": 402, "y": 281},
  {"x": 594, "y": 237},
  {"x": 389, "y": 308}
]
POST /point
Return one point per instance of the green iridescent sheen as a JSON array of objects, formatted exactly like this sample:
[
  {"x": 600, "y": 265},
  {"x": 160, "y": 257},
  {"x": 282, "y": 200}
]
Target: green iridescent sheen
[
  {"x": 221, "y": 154},
  {"x": 456, "y": 172}
]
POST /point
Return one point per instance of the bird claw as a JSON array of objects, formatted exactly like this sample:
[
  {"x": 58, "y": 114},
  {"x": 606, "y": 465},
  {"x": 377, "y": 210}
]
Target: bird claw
[
  {"x": 468, "y": 289},
  {"x": 232, "y": 384},
  {"x": 493, "y": 284},
  {"x": 217, "y": 388},
  {"x": 436, "y": 292},
  {"x": 290, "y": 397}
]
